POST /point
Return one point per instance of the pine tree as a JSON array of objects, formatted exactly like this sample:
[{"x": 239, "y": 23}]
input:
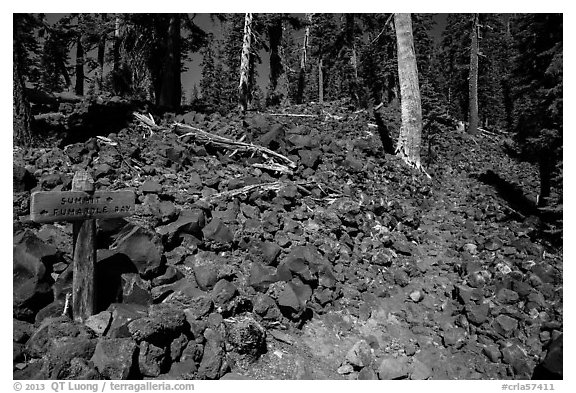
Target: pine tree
[
  {"x": 473, "y": 78},
  {"x": 538, "y": 105},
  {"x": 20, "y": 108}
]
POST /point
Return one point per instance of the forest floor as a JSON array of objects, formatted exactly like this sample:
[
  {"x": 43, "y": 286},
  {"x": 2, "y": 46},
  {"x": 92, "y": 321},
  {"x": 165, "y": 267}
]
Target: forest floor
[{"x": 355, "y": 266}]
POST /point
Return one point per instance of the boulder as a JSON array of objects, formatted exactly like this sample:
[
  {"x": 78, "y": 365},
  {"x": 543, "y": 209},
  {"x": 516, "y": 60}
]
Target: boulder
[
  {"x": 22, "y": 180},
  {"x": 31, "y": 279},
  {"x": 213, "y": 364},
  {"x": 135, "y": 290},
  {"x": 218, "y": 232},
  {"x": 393, "y": 368},
  {"x": 53, "y": 331},
  {"x": 360, "y": 355},
  {"x": 63, "y": 351},
  {"x": 143, "y": 248},
  {"x": 164, "y": 322},
  {"x": 223, "y": 292},
  {"x": 552, "y": 365},
  {"x": 115, "y": 358},
  {"x": 122, "y": 315},
  {"x": 151, "y": 359}
]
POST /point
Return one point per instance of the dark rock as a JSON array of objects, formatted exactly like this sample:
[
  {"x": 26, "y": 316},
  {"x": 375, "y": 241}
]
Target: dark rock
[
  {"x": 78, "y": 369},
  {"x": 31, "y": 278},
  {"x": 507, "y": 296},
  {"x": 22, "y": 180},
  {"x": 266, "y": 307},
  {"x": 54, "y": 309},
  {"x": 51, "y": 332},
  {"x": 234, "y": 377},
  {"x": 493, "y": 244},
  {"x": 143, "y": 248},
  {"x": 310, "y": 158},
  {"x": 477, "y": 314},
  {"x": 217, "y": 231},
  {"x": 189, "y": 221},
  {"x": 205, "y": 266},
  {"x": 164, "y": 322},
  {"x": 401, "y": 277},
  {"x": 151, "y": 186},
  {"x": 391, "y": 368},
  {"x": 135, "y": 290},
  {"x": 294, "y": 297},
  {"x": 246, "y": 336},
  {"x": 183, "y": 369},
  {"x": 515, "y": 356},
  {"x": 552, "y": 365},
  {"x": 454, "y": 337},
  {"x": 32, "y": 371},
  {"x": 262, "y": 276},
  {"x": 21, "y": 331},
  {"x": 213, "y": 364},
  {"x": 193, "y": 351},
  {"x": 367, "y": 374},
  {"x": 177, "y": 347},
  {"x": 63, "y": 351},
  {"x": 151, "y": 359},
  {"x": 269, "y": 252},
  {"x": 505, "y": 325},
  {"x": 274, "y": 138},
  {"x": 171, "y": 275},
  {"x": 122, "y": 315},
  {"x": 492, "y": 352},
  {"x": 360, "y": 355},
  {"x": 419, "y": 370},
  {"x": 99, "y": 323},
  {"x": 223, "y": 292},
  {"x": 115, "y": 358}
]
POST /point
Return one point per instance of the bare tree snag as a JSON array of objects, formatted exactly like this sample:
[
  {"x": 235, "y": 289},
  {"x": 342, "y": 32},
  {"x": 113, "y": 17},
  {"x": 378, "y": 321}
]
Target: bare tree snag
[
  {"x": 303, "y": 59},
  {"x": 409, "y": 141},
  {"x": 79, "y": 87},
  {"x": 243, "y": 88},
  {"x": 473, "y": 79},
  {"x": 320, "y": 82}
]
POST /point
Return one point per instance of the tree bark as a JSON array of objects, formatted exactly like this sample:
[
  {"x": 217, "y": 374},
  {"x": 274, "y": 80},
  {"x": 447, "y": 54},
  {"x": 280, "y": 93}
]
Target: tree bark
[
  {"x": 473, "y": 79},
  {"x": 79, "y": 88},
  {"x": 320, "y": 82},
  {"x": 170, "y": 90},
  {"x": 20, "y": 107},
  {"x": 303, "y": 59},
  {"x": 101, "y": 52},
  {"x": 244, "y": 88},
  {"x": 409, "y": 141}
]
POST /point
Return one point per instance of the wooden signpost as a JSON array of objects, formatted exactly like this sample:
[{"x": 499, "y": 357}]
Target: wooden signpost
[{"x": 82, "y": 206}]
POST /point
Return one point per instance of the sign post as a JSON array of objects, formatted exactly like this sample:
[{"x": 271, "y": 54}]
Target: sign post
[{"x": 82, "y": 206}]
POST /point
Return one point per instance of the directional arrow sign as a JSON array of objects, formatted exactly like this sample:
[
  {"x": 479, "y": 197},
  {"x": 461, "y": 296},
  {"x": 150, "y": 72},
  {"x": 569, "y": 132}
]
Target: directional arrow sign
[{"x": 50, "y": 206}]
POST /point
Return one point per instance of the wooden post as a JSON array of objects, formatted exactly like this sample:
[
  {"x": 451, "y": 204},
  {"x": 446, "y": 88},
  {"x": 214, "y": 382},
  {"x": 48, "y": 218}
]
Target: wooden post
[
  {"x": 84, "y": 251},
  {"x": 82, "y": 206}
]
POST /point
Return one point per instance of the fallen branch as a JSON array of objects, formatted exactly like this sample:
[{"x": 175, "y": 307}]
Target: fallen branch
[
  {"x": 232, "y": 193},
  {"x": 274, "y": 167},
  {"x": 232, "y": 144},
  {"x": 291, "y": 114}
]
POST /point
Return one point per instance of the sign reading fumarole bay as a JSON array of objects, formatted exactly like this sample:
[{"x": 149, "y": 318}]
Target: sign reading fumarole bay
[{"x": 50, "y": 206}]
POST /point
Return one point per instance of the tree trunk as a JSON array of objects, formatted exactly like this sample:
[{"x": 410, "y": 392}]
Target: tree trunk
[
  {"x": 116, "y": 48},
  {"x": 320, "y": 83},
  {"x": 302, "y": 76},
  {"x": 473, "y": 79},
  {"x": 20, "y": 106},
  {"x": 409, "y": 141},
  {"x": 79, "y": 89},
  {"x": 101, "y": 51},
  {"x": 244, "y": 88},
  {"x": 170, "y": 89},
  {"x": 545, "y": 171}
]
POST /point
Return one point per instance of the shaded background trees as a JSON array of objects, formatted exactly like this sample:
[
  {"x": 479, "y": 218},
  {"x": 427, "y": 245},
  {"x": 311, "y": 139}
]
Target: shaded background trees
[{"x": 303, "y": 58}]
